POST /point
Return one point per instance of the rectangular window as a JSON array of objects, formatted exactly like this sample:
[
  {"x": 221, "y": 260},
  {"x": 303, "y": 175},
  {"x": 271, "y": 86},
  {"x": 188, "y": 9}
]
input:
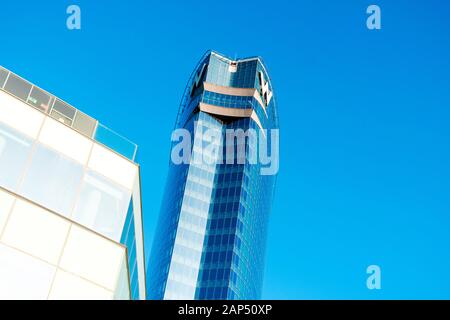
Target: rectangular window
[
  {"x": 84, "y": 124},
  {"x": 115, "y": 142},
  {"x": 15, "y": 149},
  {"x": 40, "y": 100},
  {"x": 18, "y": 87},
  {"x": 6, "y": 203},
  {"x": 52, "y": 180},
  {"x": 22, "y": 276},
  {"x": 102, "y": 206},
  {"x": 63, "y": 112},
  {"x": 3, "y": 76}
]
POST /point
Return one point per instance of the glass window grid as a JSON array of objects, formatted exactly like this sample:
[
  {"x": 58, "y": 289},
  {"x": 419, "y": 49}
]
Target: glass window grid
[
  {"x": 18, "y": 87},
  {"x": 228, "y": 101},
  {"x": 82, "y": 123},
  {"x": 220, "y": 227},
  {"x": 57, "y": 266},
  {"x": 24, "y": 162},
  {"x": 129, "y": 240},
  {"x": 234, "y": 231},
  {"x": 15, "y": 150},
  {"x": 3, "y": 76}
]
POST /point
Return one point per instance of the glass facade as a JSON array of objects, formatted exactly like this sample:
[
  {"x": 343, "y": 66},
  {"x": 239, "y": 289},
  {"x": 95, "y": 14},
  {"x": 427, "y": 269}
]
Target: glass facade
[
  {"x": 211, "y": 234},
  {"x": 65, "y": 113},
  {"x": 129, "y": 239},
  {"x": 64, "y": 191},
  {"x": 46, "y": 256}
]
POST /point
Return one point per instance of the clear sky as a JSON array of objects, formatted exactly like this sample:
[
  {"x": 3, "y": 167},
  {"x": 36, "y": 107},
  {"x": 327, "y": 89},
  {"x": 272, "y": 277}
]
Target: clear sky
[{"x": 364, "y": 117}]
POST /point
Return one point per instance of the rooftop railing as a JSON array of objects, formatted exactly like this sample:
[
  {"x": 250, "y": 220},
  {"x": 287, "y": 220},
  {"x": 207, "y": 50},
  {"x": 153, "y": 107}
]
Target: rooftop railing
[{"x": 65, "y": 113}]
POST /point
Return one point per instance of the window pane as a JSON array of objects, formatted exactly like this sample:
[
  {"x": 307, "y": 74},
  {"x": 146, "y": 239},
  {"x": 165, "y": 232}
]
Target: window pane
[
  {"x": 39, "y": 99},
  {"x": 22, "y": 276},
  {"x": 84, "y": 124},
  {"x": 3, "y": 75},
  {"x": 15, "y": 149},
  {"x": 6, "y": 202},
  {"x": 102, "y": 205},
  {"x": 67, "y": 286},
  {"x": 122, "y": 291},
  {"x": 36, "y": 231},
  {"x": 92, "y": 257},
  {"x": 52, "y": 180},
  {"x": 115, "y": 142},
  {"x": 58, "y": 116},
  {"x": 18, "y": 87},
  {"x": 63, "y": 112}
]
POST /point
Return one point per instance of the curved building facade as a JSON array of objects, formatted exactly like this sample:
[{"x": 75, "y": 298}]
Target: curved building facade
[{"x": 211, "y": 234}]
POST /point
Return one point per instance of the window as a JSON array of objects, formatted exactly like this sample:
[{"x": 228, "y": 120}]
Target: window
[
  {"x": 20, "y": 116},
  {"x": 6, "y": 202},
  {"x": 3, "y": 76},
  {"x": 18, "y": 87},
  {"x": 63, "y": 112},
  {"x": 52, "y": 180},
  {"x": 36, "y": 231},
  {"x": 22, "y": 276},
  {"x": 102, "y": 205},
  {"x": 116, "y": 142},
  {"x": 84, "y": 124},
  {"x": 233, "y": 67},
  {"x": 92, "y": 257},
  {"x": 15, "y": 149},
  {"x": 40, "y": 100}
]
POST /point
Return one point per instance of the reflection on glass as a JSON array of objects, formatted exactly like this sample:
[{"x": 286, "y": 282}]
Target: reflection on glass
[
  {"x": 116, "y": 142},
  {"x": 122, "y": 291},
  {"x": 102, "y": 205},
  {"x": 14, "y": 152},
  {"x": 3, "y": 76},
  {"x": 62, "y": 178},
  {"x": 84, "y": 124},
  {"x": 63, "y": 112},
  {"x": 18, "y": 87},
  {"x": 39, "y": 99},
  {"x": 22, "y": 276}
]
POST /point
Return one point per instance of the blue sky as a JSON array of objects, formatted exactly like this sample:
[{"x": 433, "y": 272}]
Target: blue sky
[{"x": 365, "y": 140}]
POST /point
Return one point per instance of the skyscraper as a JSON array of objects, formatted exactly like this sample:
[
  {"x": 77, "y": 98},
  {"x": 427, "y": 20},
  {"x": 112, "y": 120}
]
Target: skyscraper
[
  {"x": 211, "y": 234},
  {"x": 70, "y": 204}
]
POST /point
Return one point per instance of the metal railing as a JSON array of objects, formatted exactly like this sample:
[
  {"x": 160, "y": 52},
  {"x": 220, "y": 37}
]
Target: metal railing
[{"x": 65, "y": 113}]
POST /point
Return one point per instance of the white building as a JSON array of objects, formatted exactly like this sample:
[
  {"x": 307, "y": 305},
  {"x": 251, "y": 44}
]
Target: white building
[{"x": 70, "y": 203}]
